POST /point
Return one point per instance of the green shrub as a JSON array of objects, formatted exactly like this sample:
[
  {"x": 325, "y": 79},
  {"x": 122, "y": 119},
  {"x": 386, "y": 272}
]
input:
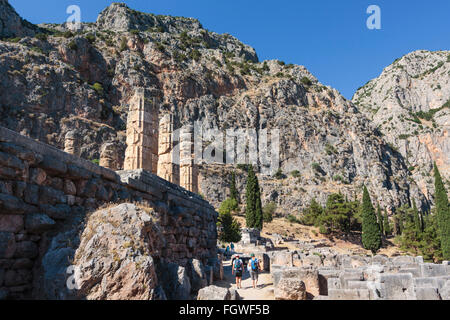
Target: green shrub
[
  {"x": 268, "y": 211},
  {"x": 90, "y": 38},
  {"x": 296, "y": 174},
  {"x": 98, "y": 88},
  {"x": 72, "y": 46},
  {"x": 123, "y": 44},
  {"x": 41, "y": 36},
  {"x": 68, "y": 34},
  {"x": 316, "y": 166},
  {"x": 195, "y": 55},
  {"x": 279, "y": 174},
  {"x": 306, "y": 81}
]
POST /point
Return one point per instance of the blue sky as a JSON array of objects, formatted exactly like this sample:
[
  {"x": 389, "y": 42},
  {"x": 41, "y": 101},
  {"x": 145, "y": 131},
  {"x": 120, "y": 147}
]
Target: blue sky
[{"x": 329, "y": 37}]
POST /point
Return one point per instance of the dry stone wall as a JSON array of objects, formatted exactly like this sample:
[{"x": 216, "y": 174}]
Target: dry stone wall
[{"x": 45, "y": 195}]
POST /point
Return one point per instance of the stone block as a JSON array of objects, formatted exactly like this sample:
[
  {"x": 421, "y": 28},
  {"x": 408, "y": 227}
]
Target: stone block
[
  {"x": 26, "y": 249},
  {"x": 54, "y": 165},
  {"x": 282, "y": 258},
  {"x": 38, "y": 223},
  {"x": 15, "y": 278},
  {"x": 349, "y": 294},
  {"x": 12, "y": 205},
  {"x": 11, "y": 223},
  {"x": 309, "y": 276},
  {"x": 7, "y": 245},
  {"x": 396, "y": 286},
  {"x": 38, "y": 176},
  {"x": 8, "y": 160},
  {"x": 357, "y": 285},
  {"x": 402, "y": 260},
  {"x": 59, "y": 211},
  {"x": 290, "y": 289},
  {"x": 434, "y": 270},
  {"x": 416, "y": 272},
  {"x": 427, "y": 293}
]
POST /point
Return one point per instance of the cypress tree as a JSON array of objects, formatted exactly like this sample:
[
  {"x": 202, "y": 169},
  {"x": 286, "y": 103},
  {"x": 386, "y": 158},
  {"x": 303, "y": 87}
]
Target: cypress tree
[
  {"x": 442, "y": 213},
  {"x": 250, "y": 199},
  {"x": 416, "y": 218},
  {"x": 259, "y": 216},
  {"x": 233, "y": 191},
  {"x": 380, "y": 218},
  {"x": 253, "y": 212},
  {"x": 371, "y": 235},
  {"x": 386, "y": 224}
]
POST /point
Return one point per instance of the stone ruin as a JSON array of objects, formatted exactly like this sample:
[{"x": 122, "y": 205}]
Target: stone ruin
[
  {"x": 152, "y": 144},
  {"x": 326, "y": 275},
  {"x": 45, "y": 195}
]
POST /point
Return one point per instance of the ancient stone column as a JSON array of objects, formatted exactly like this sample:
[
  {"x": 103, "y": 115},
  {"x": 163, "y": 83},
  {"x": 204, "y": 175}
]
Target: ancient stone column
[
  {"x": 71, "y": 143},
  {"x": 168, "y": 168},
  {"x": 142, "y": 133},
  {"x": 188, "y": 169},
  {"x": 109, "y": 156}
]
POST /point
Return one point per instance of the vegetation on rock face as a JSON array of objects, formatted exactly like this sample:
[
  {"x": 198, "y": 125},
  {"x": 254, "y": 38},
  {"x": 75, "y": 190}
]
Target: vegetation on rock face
[
  {"x": 371, "y": 234},
  {"x": 253, "y": 211},
  {"x": 269, "y": 211}
]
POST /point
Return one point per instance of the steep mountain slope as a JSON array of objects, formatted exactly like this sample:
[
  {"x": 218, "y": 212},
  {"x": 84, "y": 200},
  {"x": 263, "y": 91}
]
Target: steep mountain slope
[
  {"x": 61, "y": 82},
  {"x": 410, "y": 103},
  {"x": 12, "y": 25}
]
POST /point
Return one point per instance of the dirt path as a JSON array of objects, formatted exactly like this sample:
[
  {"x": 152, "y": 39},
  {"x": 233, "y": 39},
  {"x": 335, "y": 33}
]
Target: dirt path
[{"x": 264, "y": 291}]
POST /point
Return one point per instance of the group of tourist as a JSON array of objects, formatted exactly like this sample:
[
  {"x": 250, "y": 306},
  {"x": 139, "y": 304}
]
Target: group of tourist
[{"x": 253, "y": 267}]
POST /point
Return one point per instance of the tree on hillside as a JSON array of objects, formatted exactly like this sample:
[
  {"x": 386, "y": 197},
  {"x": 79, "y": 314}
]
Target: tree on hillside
[
  {"x": 229, "y": 228},
  {"x": 371, "y": 235},
  {"x": 312, "y": 214},
  {"x": 386, "y": 225},
  {"x": 253, "y": 211},
  {"x": 233, "y": 190},
  {"x": 380, "y": 219},
  {"x": 442, "y": 213},
  {"x": 268, "y": 212}
]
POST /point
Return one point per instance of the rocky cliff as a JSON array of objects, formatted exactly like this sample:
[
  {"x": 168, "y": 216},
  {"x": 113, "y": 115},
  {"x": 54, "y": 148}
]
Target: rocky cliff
[
  {"x": 410, "y": 104},
  {"x": 12, "y": 25},
  {"x": 60, "y": 82}
]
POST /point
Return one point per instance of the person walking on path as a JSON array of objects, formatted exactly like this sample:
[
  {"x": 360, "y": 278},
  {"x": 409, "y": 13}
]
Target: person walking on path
[
  {"x": 232, "y": 247},
  {"x": 237, "y": 270},
  {"x": 254, "y": 267}
]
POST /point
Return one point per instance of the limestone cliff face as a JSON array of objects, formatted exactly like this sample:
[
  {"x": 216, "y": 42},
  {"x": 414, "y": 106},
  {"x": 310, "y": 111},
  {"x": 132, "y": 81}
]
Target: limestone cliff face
[
  {"x": 410, "y": 103},
  {"x": 84, "y": 82},
  {"x": 12, "y": 25}
]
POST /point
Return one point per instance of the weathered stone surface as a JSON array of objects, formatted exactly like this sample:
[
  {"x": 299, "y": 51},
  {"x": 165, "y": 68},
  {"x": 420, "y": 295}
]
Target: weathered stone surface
[
  {"x": 12, "y": 24},
  {"x": 129, "y": 271},
  {"x": 290, "y": 289},
  {"x": 396, "y": 287},
  {"x": 38, "y": 223},
  {"x": 13, "y": 205},
  {"x": 427, "y": 294},
  {"x": 26, "y": 249},
  {"x": 197, "y": 275},
  {"x": 7, "y": 245},
  {"x": 214, "y": 293},
  {"x": 11, "y": 223},
  {"x": 348, "y": 294}
]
